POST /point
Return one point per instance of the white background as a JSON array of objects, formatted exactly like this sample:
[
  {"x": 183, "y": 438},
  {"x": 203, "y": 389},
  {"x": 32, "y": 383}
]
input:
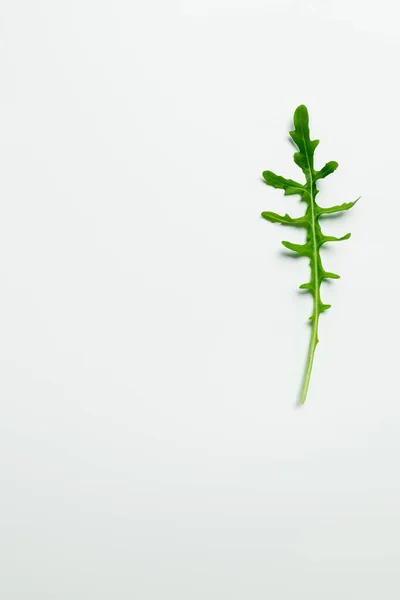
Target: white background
[{"x": 152, "y": 338}]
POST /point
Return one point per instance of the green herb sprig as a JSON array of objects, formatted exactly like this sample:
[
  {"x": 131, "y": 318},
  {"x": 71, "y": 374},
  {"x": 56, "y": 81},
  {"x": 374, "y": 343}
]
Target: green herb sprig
[{"x": 308, "y": 191}]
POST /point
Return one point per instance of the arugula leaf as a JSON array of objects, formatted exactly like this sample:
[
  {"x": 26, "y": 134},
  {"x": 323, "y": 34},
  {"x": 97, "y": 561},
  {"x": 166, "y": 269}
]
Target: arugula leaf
[{"x": 308, "y": 191}]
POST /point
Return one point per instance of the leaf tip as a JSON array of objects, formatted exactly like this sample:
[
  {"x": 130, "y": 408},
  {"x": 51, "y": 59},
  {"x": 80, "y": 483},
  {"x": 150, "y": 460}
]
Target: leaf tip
[
  {"x": 268, "y": 175},
  {"x": 300, "y": 119},
  {"x": 301, "y": 110}
]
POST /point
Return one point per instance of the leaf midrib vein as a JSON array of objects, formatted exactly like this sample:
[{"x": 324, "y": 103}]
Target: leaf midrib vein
[{"x": 314, "y": 335}]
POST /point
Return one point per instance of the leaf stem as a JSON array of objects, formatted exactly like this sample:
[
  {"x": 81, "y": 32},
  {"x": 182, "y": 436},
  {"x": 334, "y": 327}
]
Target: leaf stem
[{"x": 310, "y": 356}]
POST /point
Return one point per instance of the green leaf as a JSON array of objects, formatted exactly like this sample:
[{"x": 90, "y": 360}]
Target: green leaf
[
  {"x": 329, "y": 168},
  {"x": 308, "y": 191},
  {"x": 336, "y": 209},
  {"x": 302, "y": 249},
  {"x": 331, "y": 238},
  {"x": 291, "y": 187},
  {"x": 304, "y": 158},
  {"x": 285, "y": 219},
  {"x": 324, "y": 307}
]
